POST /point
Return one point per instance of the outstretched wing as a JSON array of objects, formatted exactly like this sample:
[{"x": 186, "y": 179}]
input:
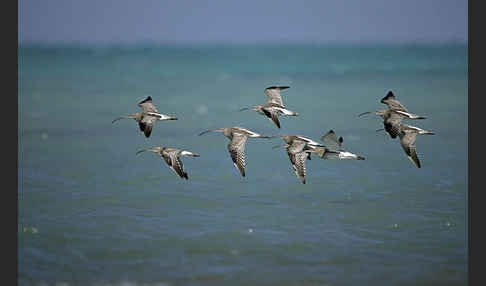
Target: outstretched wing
[
  {"x": 273, "y": 94},
  {"x": 296, "y": 146},
  {"x": 273, "y": 115},
  {"x": 392, "y": 124},
  {"x": 236, "y": 148},
  {"x": 146, "y": 124},
  {"x": 332, "y": 141},
  {"x": 299, "y": 165},
  {"x": 166, "y": 158},
  {"x": 408, "y": 144},
  {"x": 392, "y": 102},
  {"x": 147, "y": 105},
  {"x": 173, "y": 160}
]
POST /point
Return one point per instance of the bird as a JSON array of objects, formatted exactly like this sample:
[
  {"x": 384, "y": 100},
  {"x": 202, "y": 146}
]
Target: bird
[
  {"x": 236, "y": 147},
  {"x": 393, "y": 116},
  {"x": 392, "y": 119},
  {"x": 333, "y": 148},
  {"x": 147, "y": 117},
  {"x": 299, "y": 149},
  {"x": 408, "y": 135},
  {"x": 172, "y": 158},
  {"x": 274, "y": 106}
]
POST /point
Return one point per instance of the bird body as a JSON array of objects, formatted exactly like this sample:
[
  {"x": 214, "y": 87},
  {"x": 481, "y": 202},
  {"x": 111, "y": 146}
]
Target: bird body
[{"x": 172, "y": 157}]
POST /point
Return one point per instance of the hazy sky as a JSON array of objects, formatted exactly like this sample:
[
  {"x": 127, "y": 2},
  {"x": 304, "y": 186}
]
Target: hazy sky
[{"x": 245, "y": 21}]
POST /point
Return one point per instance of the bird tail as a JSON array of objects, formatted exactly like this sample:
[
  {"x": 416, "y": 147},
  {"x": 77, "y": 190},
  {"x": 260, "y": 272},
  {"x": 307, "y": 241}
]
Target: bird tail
[
  {"x": 425, "y": 132},
  {"x": 187, "y": 153},
  {"x": 161, "y": 116}
]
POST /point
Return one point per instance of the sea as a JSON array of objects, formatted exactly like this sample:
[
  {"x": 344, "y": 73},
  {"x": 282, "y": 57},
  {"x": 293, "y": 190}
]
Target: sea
[{"x": 93, "y": 212}]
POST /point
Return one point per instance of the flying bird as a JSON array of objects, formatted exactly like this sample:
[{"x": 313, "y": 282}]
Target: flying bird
[
  {"x": 392, "y": 119},
  {"x": 393, "y": 116},
  {"x": 408, "y": 135},
  {"x": 299, "y": 149},
  {"x": 274, "y": 106},
  {"x": 333, "y": 148},
  {"x": 147, "y": 117},
  {"x": 236, "y": 147},
  {"x": 172, "y": 158}
]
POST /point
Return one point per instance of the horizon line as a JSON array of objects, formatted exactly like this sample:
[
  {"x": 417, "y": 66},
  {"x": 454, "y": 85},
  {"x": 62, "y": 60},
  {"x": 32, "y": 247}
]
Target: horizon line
[{"x": 21, "y": 44}]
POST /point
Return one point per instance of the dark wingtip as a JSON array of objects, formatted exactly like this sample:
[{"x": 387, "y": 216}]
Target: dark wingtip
[
  {"x": 147, "y": 133},
  {"x": 361, "y": 158},
  {"x": 277, "y": 87},
  {"x": 184, "y": 175},
  {"x": 388, "y": 95},
  {"x": 145, "y": 100},
  {"x": 340, "y": 139}
]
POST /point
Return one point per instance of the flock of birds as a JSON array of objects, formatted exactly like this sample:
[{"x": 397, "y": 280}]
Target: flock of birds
[{"x": 299, "y": 148}]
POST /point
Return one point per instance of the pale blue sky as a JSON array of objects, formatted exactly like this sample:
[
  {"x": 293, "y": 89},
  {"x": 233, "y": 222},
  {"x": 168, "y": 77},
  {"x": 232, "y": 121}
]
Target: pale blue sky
[{"x": 246, "y": 21}]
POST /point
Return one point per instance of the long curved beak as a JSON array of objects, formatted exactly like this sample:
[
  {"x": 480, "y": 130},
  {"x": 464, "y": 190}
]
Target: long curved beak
[
  {"x": 381, "y": 129},
  {"x": 278, "y": 146},
  {"x": 212, "y": 130},
  {"x": 118, "y": 119},
  {"x": 246, "y": 108},
  {"x": 270, "y": 137},
  {"x": 368, "y": 112},
  {"x": 145, "y": 150}
]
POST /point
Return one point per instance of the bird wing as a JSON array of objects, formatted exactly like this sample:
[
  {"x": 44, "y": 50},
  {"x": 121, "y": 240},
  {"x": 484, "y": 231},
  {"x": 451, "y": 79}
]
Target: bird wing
[
  {"x": 146, "y": 124},
  {"x": 299, "y": 165},
  {"x": 408, "y": 144},
  {"x": 392, "y": 102},
  {"x": 296, "y": 146},
  {"x": 175, "y": 163},
  {"x": 273, "y": 115},
  {"x": 147, "y": 105},
  {"x": 332, "y": 141},
  {"x": 331, "y": 155},
  {"x": 167, "y": 158},
  {"x": 273, "y": 94},
  {"x": 236, "y": 148},
  {"x": 392, "y": 124}
]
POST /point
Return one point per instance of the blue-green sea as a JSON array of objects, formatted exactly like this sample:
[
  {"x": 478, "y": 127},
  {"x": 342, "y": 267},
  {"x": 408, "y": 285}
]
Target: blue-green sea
[{"x": 92, "y": 212}]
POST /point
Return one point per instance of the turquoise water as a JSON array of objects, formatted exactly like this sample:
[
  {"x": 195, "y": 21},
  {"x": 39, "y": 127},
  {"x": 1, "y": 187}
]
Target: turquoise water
[{"x": 91, "y": 212}]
